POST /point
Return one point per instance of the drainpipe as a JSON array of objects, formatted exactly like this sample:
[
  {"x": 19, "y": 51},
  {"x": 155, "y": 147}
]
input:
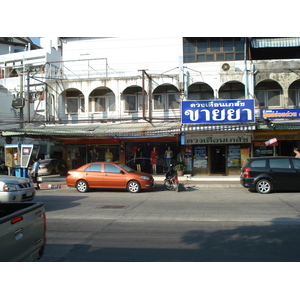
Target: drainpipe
[
  {"x": 246, "y": 71},
  {"x": 187, "y": 85}
]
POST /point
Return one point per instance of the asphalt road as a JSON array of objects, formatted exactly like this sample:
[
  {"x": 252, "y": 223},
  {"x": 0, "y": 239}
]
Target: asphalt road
[{"x": 196, "y": 225}]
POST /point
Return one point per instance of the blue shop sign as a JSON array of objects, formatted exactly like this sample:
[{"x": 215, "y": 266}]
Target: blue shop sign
[
  {"x": 217, "y": 111},
  {"x": 280, "y": 113}
]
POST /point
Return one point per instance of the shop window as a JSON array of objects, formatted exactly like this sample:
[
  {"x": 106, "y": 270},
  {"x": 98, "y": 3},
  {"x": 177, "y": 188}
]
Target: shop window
[
  {"x": 234, "y": 156},
  {"x": 103, "y": 153}
]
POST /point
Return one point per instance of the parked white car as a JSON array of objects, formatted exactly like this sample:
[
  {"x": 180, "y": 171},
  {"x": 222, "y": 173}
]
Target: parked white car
[
  {"x": 47, "y": 167},
  {"x": 16, "y": 189}
]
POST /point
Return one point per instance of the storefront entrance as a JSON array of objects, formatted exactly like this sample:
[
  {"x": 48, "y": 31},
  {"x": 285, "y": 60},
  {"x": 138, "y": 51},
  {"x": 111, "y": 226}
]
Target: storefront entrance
[{"x": 218, "y": 159}]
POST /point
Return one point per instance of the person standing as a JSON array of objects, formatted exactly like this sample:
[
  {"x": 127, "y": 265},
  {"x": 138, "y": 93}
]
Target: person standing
[
  {"x": 138, "y": 158},
  {"x": 168, "y": 156},
  {"x": 296, "y": 151},
  {"x": 108, "y": 156},
  {"x": 153, "y": 160},
  {"x": 35, "y": 172}
]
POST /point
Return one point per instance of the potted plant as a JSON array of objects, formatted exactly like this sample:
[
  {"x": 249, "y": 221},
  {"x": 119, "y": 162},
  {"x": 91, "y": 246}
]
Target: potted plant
[
  {"x": 180, "y": 168},
  {"x": 62, "y": 168}
]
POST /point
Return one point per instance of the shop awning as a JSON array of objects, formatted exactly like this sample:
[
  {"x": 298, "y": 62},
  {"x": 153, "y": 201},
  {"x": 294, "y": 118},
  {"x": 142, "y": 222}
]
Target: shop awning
[
  {"x": 280, "y": 125},
  {"x": 102, "y": 130},
  {"x": 237, "y": 127},
  {"x": 275, "y": 42}
]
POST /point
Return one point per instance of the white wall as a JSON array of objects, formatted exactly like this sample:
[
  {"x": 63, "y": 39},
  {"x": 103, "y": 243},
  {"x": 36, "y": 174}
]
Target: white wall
[{"x": 127, "y": 55}]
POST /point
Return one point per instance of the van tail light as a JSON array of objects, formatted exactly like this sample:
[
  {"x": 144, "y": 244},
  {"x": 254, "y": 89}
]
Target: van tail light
[{"x": 247, "y": 172}]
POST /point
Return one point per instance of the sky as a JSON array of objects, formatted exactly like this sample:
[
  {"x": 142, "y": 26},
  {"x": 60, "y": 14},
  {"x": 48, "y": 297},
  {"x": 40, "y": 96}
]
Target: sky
[{"x": 35, "y": 40}]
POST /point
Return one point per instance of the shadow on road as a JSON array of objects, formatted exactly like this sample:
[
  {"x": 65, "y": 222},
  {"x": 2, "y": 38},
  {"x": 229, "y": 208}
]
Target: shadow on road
[
  {"x": 277, "y": 242},
  {"x": 54, "y": 203}
]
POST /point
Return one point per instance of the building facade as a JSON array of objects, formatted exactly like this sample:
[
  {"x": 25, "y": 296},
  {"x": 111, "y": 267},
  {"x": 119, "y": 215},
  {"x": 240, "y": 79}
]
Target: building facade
[{"x": 118, "y": 95}]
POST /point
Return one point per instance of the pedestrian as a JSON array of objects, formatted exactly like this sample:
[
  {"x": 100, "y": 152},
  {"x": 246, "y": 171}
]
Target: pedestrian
[
  {"x": 34, "y": 173},
  {"x": 296, "y": 151}
]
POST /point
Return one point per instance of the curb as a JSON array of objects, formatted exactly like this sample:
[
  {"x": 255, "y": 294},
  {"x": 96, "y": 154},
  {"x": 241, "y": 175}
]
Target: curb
[
  {"x": 52, "y": 186},
  {"x": 186, "y": 184}
]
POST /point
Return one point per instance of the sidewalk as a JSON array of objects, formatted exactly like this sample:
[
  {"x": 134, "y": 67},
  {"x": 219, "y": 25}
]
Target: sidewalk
[{"x": 58, "y": 182}]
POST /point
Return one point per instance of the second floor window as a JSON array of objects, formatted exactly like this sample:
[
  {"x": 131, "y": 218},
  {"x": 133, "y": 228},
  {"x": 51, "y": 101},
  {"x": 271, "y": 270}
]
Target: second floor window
[
  {"x": 294, "y": 94},
  {"x": 134, "y": 99},
  {"x": 201, "y": 49},
  {"x": 268, "y": 93},
  {"x": 166, "y": 97},
  {"x": 101, "y": 104},
  {"x": 75, "y": 105}
]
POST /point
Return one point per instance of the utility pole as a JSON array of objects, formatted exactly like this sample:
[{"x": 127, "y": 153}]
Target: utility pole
[
  {"x": 28, "y": 95},
  {"x": 143, "y": 96},
  {"x": 21, "y": 96}
]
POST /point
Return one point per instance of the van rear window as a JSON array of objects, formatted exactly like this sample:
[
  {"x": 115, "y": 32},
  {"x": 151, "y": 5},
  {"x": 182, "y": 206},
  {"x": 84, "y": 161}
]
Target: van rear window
[{"x": 260, "y": 163}]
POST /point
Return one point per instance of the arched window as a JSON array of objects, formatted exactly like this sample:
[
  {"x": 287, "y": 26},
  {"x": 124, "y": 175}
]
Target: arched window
[
  {"x": 294, "y": 94},
  {"x": 133, "y": 97},
  {"x": 74, "y": 102},
  {"x": 200, "y": 91},
  {"x": 232, "y": 90},
  {"x": 166, "y": 97},
  {"x": 268, "y": 93},
  {"x": 102, "y": 100}
]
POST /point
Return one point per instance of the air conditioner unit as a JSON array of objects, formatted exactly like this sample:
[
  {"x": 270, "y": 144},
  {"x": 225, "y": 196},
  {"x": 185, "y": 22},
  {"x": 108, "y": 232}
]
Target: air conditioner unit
[
  {"x": 18, "y": 103},
  {"x": 225, "y": 67}
]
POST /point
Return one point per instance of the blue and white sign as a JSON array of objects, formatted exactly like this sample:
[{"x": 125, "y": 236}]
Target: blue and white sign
[
  {"x": 280, "y": 113},
  {"x": 217, "y": 111}
]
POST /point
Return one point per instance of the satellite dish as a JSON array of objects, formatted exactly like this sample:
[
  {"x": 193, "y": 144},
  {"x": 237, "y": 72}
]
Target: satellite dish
[{"x": 225, "y": 67}]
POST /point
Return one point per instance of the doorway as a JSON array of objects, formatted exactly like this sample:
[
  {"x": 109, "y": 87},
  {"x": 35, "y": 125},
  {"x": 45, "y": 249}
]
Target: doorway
[{"x": 218, "y": 159}]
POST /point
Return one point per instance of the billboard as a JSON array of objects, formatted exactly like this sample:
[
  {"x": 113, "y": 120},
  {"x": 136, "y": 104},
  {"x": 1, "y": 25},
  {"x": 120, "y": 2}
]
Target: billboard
[{"x": 217, "y": 111}]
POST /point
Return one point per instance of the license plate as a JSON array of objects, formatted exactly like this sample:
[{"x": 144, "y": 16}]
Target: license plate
[{"x": 28, "y": 194}]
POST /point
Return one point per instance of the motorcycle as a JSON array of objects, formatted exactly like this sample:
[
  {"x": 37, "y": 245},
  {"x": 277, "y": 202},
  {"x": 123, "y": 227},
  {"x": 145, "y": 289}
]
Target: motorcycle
[{"x": 171, "y": 181}]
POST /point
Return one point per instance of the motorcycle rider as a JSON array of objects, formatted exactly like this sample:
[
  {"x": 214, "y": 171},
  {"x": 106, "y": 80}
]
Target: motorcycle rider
[{"x": 170, "y": 172}]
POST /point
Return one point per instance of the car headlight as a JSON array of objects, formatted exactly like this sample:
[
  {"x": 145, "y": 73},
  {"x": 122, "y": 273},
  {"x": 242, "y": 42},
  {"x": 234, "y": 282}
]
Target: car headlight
[
  {"x": 145, "y": 177},
  {"x": 9, "y": 187}
]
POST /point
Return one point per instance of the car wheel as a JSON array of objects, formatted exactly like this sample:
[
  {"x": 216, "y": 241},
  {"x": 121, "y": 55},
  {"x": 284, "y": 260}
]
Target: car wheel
[
  {"x": 82, "y": 186},
  {"x": 133, "y": 186},
  {"x": 263, "y": 186}
]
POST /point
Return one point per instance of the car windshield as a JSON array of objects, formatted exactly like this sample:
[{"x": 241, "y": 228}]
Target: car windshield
[{"x": 126, "y": 168}]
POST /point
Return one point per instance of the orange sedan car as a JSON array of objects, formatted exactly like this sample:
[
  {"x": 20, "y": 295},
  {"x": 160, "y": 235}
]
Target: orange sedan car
[{"x": 109, "y": 176}]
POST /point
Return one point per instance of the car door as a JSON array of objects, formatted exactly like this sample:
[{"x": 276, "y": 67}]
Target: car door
[
  {"x": 295, "y": 181},
  {"x": 282, "y": 172},
  {"x": 113, "y": 177},
  {"x": 93, "y": 175}
]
